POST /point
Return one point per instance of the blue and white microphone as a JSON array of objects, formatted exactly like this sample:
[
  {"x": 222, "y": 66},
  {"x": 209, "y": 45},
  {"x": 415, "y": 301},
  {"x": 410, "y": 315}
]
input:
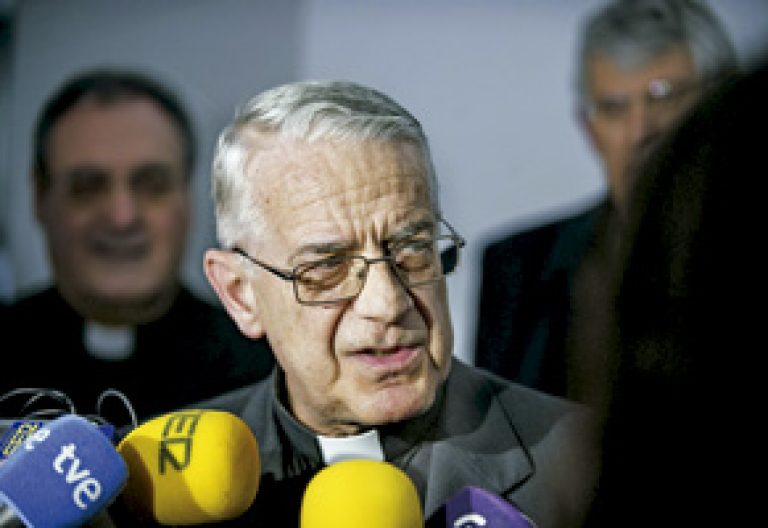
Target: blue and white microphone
[{"x": 64, "y": 474}]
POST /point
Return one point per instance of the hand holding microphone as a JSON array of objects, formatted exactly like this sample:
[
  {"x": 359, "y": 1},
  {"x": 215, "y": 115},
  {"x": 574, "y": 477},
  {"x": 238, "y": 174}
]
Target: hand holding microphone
[
  {"x": 64, "y": 474},
  {"x": 191, "y": 467}
]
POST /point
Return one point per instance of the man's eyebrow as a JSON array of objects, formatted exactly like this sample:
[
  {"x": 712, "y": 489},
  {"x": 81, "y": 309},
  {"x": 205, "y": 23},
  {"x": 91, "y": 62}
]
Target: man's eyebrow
[
  {"x": 335, "y": 248},
  {"x": 320, "y": 248},
  {"x": 411, "y": 230},
  {"x": 85, "y": 170}
]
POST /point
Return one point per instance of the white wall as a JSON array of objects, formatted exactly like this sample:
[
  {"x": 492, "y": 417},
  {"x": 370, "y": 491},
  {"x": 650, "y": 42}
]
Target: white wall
[
  {"x": 489, "y": 79},
  {"x": 215, "y": 53}
]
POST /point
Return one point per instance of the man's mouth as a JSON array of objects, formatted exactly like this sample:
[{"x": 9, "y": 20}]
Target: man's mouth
[
  {"x": 388, "y": 358},
  {"x": 380, "y": 351},
  {"x": 111, "y": 249}
]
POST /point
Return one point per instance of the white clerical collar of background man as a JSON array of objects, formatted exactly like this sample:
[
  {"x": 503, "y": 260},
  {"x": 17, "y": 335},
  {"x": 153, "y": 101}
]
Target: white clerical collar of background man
[{"x": 110, "y": 343}]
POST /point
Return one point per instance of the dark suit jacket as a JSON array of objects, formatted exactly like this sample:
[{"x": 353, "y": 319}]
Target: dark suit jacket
[
  {"x": 531, "y": 448},
  {"x": 193, "y": 352},
  {"x": 525, "y": 300}
]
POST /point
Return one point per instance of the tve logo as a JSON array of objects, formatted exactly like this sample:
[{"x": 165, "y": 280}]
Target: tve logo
[
  {"x": 86, "y": 487},
  {"x": 67, "y": 463}
]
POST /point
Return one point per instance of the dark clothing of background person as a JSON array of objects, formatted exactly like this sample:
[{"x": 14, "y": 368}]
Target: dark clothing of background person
[
  {"x": 525, "y": 303},
  {"x": 190, "y": 353},
  {"x": 683, "y": 442},
  {"x": 641, "y": 66}
]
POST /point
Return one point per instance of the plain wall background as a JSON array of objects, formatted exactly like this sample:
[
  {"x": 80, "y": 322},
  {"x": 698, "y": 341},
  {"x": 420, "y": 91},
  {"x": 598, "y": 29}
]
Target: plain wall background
[{"x": 489, "y": 79}]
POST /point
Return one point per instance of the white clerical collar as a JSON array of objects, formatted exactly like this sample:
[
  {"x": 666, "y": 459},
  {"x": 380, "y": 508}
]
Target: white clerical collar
[
  {"x": 365, "y": 445},
  {"x": 110, "y": 343}
]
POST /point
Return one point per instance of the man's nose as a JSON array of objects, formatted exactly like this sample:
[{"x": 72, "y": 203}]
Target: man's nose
[
  {"x": 122, "y": 207},
  {"x": 383, "y": 297},
  {"x": 644, "y": 122}
]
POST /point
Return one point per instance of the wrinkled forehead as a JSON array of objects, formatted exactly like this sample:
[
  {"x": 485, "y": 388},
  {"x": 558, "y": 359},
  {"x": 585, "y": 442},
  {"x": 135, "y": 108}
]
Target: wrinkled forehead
[{"x": 349, "y": 177}]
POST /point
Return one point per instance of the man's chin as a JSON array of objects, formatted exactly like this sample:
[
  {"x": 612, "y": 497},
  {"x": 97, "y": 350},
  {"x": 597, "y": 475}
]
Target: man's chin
[
  {"x": 125, "y": 296},
  {"x": 126, "y": 304},
  {"x": 392, "y": 407}
]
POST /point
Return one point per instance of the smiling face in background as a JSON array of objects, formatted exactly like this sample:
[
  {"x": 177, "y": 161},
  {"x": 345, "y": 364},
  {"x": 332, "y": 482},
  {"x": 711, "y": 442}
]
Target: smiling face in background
[
  {"x": 116, "y": 209},
  {"x": 376, "y": 358}
]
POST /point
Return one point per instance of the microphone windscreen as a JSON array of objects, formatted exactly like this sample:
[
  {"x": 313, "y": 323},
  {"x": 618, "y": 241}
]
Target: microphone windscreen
[
  {"x": 64, "y": 474},
  {"x": 13, "y": 433},
  {"x": 355, "y": 493},
  {"x": 473, "y": 506},
  {"x": 191, "y": 467}
]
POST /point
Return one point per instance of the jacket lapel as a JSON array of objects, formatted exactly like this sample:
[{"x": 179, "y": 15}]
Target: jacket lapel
[{"x": 487, "y": 455}]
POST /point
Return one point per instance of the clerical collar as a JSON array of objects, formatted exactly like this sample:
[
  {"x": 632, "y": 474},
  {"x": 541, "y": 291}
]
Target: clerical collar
[
  {"x": 364, "y": 445},
  {"x": 389, "y": 442},
  {"x": 110, "y": 343}
]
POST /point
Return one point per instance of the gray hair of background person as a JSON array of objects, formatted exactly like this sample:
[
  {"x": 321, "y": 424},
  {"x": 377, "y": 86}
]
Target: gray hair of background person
[
  {"x": 632, "y": 32},
  {"x": 309, "y": 111},
  {"x": 107, "y": 87}
]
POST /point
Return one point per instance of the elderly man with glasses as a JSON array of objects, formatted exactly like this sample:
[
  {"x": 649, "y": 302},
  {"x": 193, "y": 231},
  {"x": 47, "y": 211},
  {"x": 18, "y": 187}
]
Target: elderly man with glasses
[{"x": 333, "y": 246}]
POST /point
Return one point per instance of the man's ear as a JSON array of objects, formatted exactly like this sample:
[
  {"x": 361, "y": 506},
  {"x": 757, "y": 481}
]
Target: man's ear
[{"x": 226, "y": 275}]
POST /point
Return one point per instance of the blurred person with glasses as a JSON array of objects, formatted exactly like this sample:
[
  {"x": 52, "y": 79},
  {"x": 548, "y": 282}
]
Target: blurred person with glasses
[
  {"x": 333, "y": 246},
  {"x": 641, "y": 66}
]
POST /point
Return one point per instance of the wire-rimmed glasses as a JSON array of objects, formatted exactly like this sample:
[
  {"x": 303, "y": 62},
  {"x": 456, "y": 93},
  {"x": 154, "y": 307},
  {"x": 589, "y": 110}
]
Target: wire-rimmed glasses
[{"x": 416, "y": 261}]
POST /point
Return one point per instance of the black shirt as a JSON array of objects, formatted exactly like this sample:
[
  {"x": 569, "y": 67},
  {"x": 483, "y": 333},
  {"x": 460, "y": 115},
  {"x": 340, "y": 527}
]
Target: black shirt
[{"x": 192, "y": 352}]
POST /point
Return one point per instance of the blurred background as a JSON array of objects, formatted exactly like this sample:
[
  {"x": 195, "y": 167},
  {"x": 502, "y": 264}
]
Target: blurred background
[{"x": 491, "y": 81}]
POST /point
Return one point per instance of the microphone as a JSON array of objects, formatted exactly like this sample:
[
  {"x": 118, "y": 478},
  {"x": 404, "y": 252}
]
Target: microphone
[
  {"x": 30, "y": 415},
  {"x": 13, "y": 433},
  {"x": 64, "y": 474},
  {"x": 190, "y": 467},
  {"x": 475, "y": 507},
  {"x": 354, "y": 493}
]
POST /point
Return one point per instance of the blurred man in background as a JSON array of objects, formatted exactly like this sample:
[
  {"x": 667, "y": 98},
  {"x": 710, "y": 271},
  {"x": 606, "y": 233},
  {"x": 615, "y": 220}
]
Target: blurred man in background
[
  {"x": 641, "y": 66},
  {"x": 113, "y": 158}
]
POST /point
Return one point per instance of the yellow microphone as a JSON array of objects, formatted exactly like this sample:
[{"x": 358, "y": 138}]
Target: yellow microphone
[
  {"x": 355, "y": 493},
  {"x": 190, "y": 467}
]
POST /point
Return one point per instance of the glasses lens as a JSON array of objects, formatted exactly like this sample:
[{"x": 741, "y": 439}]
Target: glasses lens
[
  {"x": 449, "y": 256},
  {"x": 330, "y": 279},
  {"x": 416, "y": 262},
  {"x": 425, "y": 261}
]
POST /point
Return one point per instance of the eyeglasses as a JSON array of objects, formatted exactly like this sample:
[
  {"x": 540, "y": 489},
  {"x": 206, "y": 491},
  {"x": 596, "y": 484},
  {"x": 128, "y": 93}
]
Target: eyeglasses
[
  {"x": 415, "y": 261},
  {"x": 661, "y": 96}
]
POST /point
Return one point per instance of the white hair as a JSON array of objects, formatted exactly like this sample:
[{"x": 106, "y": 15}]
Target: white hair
[{"x": 307, "y": 111}]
